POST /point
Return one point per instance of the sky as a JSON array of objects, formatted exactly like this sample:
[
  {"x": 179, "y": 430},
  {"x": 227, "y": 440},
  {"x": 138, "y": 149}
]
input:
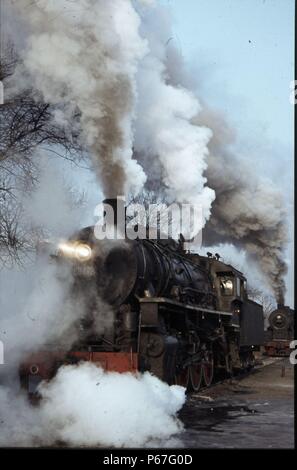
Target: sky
[
  {"x": 244, "y": 50},
  {"x": 242, "y": 54}
]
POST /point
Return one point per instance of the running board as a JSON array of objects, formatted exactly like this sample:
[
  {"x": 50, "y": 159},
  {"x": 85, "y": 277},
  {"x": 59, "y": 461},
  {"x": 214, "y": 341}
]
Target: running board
[{"x": 174, "y": 303}]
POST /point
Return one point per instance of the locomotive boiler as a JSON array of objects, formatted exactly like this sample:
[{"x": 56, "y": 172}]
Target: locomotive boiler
[
  {"x": 185, "y": 318},
  {"x": 280, "y": 331}
]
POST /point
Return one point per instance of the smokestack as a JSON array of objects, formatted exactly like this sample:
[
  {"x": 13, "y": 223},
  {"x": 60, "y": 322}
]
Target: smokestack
[
  {"x": 282, "y": 306},
  {"x": 119, "y": 211},
  {"x": 280, "y": 299}
]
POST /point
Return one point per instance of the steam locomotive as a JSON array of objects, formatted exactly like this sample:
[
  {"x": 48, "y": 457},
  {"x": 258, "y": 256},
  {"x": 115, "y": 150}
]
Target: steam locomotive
[
  {"x": 185, "y": 318},
  {"x": 280, "y": 332}
]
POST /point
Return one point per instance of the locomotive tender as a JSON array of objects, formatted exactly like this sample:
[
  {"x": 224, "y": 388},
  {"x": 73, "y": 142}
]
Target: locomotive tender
[{"x": 181, "y": 316}]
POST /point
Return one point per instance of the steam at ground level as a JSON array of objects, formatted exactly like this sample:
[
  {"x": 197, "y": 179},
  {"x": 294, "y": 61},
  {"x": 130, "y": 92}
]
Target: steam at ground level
[{"x": 86, "y": 406}]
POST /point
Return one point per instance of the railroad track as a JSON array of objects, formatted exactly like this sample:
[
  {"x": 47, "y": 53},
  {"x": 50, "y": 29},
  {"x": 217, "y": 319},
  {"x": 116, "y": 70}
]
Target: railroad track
[{"x": 237, "y": 377}]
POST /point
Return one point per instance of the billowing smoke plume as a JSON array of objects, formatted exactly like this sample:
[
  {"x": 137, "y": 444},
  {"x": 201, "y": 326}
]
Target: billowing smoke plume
[
  {"x": 83, "y": 55},
  {"x": 249, "y": 210},
  {"x": 101, "y": 57},
  {"x": 164, "y": 130},
  {"x": 114, "y": 61}
]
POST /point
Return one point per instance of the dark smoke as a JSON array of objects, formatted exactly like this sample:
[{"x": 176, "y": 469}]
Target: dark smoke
[
  {"x": 84, "y": 55},
  {"x": 248, "y": 210}
]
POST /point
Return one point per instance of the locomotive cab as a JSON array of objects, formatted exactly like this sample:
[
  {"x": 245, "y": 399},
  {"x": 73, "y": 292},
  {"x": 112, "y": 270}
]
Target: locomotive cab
[
  {"x": 246, "y": 325},
  {"x": 229, "y": 285}
]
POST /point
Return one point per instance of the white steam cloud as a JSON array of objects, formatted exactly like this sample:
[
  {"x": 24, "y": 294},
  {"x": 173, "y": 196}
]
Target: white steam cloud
[
  {"x": 85, "y": 406},
  {"x": 110, "y": 409},
  {"x": 165, "y": 129}
]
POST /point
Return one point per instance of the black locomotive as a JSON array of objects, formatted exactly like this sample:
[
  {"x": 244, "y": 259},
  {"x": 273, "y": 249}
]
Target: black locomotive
[
  {"x": 181, "y": 316},
  {"x": 280, "y": 332}
]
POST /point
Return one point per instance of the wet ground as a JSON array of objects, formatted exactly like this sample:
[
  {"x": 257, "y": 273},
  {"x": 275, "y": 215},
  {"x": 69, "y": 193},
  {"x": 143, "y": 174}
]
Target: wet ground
[{"x": 255, "y": 411}]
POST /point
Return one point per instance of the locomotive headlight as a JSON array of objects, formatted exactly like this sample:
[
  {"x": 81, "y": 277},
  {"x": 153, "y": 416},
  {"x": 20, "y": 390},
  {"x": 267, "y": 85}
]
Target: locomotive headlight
[
  {"x": 66, "y": 249},
  {"x": 279, "y": 321},
  {"x": 80, "y": 251},
  {"x": 34, "y": 369},
  {"x": 83, "y": 252}
]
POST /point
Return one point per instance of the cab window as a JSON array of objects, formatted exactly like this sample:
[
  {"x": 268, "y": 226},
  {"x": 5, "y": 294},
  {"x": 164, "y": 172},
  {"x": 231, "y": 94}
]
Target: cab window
[{"x": 226, "y": 286}]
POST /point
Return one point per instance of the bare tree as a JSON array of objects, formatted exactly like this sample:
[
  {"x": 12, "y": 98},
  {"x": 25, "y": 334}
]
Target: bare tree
[
  {"x": 26, "y": 125},
  {"x": 266, "y": 300}
]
